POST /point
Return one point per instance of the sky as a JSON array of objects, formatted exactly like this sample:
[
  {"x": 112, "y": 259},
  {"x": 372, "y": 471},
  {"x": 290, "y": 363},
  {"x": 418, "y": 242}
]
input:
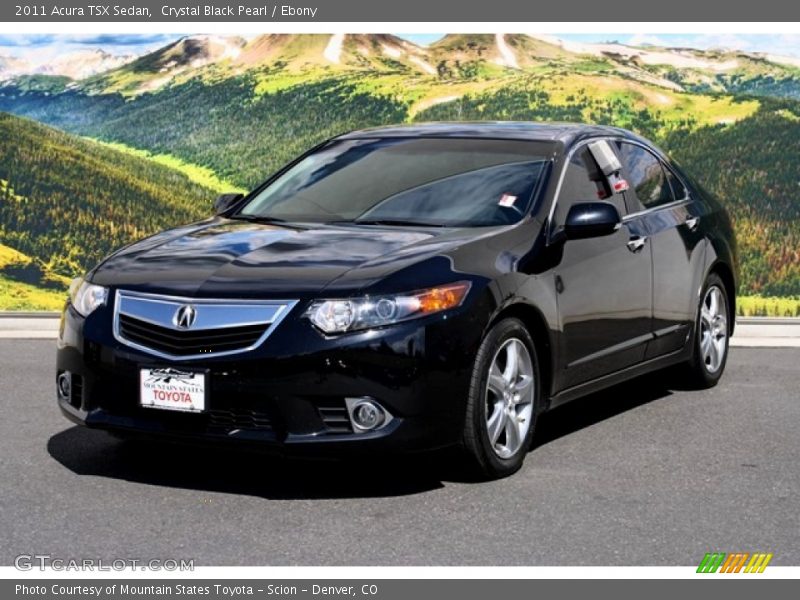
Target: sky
[{"x": 43, "y": 45}]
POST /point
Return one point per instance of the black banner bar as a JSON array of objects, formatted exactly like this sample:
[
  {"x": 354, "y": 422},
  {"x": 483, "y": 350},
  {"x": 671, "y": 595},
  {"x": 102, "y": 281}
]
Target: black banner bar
[
  {"x": 393, "y": 589},
  {"x": 442, "y": 11}
]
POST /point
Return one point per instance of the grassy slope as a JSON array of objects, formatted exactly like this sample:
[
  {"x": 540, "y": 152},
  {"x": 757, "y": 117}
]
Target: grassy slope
[
  {"x": 202, "y": 176},
  {"x": 18, "y": 295}
]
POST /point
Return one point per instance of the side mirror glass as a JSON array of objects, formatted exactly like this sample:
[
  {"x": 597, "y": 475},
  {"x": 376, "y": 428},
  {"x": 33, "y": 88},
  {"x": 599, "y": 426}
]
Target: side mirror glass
[
  {"x": 591, "y": 219},
  {"x": 225, "y": 201}
]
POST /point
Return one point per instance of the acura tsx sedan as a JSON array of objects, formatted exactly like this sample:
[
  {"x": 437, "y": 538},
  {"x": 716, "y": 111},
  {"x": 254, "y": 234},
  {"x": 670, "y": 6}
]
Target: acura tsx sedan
[{"x": 408, "y": 288}]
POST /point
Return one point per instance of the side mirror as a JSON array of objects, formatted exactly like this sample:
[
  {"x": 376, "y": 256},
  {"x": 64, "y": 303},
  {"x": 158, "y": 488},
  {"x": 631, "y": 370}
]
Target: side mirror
[
  {"x": 591, "y": 219},
  {"x": 225, "y": 201}
]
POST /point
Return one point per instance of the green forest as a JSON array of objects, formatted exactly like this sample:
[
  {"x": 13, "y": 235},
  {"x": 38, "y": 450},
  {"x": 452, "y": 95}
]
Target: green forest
[{"x": 66, "y": 201}]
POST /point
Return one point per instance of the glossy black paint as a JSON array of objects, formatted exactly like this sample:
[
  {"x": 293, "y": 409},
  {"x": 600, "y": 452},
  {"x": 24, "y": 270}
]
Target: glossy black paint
[
  {"x": 591, "y": 219},
  {"x": 225, "y": 202},
  {"x": 599, "y": 311}
]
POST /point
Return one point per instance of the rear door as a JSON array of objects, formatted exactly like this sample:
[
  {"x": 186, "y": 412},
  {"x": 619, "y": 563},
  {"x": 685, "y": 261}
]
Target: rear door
[
  {"x": 660, "y": 202},
  {"x": 603, "y": 285}
]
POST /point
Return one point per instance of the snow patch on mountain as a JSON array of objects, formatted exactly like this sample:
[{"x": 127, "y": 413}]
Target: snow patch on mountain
[
  {"x": 507, "y": 57},
  {"x": 391, "y": 51},
  {"x": 333, "y": 51},
  {"x": 428, "y": 68}
]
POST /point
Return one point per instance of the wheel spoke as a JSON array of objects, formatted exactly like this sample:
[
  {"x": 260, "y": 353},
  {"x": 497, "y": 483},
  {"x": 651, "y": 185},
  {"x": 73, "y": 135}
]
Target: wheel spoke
[
  {"x": 719, "y": 350},
  {"x": 512, "y": 362},
  {"x": 705, "y": 345},
  {"x": 714, "y": 355},
  {"x": 496, "y": 422},
  {"x": 496, "y": 381},
  {"x": 513, "y": 440},
  {"x": 713, "y": 301}
]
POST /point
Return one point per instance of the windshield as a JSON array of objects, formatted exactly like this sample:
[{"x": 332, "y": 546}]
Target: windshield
[{"x": 418, "y": 181}]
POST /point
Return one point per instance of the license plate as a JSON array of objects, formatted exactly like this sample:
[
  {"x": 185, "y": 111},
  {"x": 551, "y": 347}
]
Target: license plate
[{"x": 170, "y": 388}]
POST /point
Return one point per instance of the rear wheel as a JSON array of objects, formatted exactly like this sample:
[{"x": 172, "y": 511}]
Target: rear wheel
[
  {"x": 711, "y": 336},
  {"x": 503, "y": 400}
]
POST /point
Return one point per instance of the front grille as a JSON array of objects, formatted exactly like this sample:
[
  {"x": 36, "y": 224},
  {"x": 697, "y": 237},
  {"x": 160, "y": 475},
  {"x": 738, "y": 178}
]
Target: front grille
[
  {"x": 194, "y": 328},
  {"x": 335, "y": 418},
  {"x": 188, "y": 343},
  {"x": 237, "y": 418}
]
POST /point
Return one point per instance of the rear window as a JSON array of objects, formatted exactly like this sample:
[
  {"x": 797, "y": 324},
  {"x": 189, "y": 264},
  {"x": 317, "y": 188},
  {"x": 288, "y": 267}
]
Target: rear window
[
  {"x": 430, "y": 181},
  {"x": 645, "y": 175}
]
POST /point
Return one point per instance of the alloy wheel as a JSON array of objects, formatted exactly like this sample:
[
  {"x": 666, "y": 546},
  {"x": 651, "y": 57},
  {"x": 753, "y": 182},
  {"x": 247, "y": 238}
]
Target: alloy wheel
[
  {"x": 509, "y": 398},
  {"x": 713, "y": 329}
]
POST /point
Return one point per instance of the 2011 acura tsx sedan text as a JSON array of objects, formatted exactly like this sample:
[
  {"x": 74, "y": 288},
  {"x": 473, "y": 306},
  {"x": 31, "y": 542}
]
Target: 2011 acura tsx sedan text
[{"x": 408, "y": 288}]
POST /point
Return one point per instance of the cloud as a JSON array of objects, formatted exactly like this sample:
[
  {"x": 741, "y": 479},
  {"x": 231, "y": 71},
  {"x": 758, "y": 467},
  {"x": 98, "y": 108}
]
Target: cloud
[
  {"x": 647, "y": 39},
  {"x": 121, "y": 39},
  {"x": 41, "y": 46},
  {"x": 103, "y": 39},
  {"x": 27, "y": 40}
]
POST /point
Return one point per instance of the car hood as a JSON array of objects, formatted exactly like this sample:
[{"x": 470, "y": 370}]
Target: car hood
[{"x": 223, "y": 257}]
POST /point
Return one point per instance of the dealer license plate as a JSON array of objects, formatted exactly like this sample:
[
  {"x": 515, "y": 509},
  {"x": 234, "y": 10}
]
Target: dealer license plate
[{"x": 170, "y": 388}]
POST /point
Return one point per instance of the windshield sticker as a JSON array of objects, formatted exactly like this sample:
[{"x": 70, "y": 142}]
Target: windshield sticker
[{"x": 507, "y": 200}]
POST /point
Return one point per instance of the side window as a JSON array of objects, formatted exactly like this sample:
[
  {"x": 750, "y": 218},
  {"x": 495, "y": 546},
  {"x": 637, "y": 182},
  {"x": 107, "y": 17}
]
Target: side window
[
  {"x": 580, "y": 185},
  {"x": 645, "y": 175},
  {"x": 678, "y": 189}
]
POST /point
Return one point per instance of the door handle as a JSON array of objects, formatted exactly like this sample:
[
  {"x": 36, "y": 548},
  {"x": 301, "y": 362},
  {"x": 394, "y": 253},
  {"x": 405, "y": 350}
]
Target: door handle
[
  {"x": 692, "y": 223},
  {"x": 635, "y": 244}
]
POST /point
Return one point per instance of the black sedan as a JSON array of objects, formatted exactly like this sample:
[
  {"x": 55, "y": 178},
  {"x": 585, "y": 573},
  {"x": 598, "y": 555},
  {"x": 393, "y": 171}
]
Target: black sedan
[{"x": 408, "y": 288}]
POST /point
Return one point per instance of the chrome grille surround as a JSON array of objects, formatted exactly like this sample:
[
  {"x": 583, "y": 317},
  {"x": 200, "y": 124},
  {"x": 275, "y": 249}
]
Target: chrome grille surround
[{"x": 212, "y": 315}]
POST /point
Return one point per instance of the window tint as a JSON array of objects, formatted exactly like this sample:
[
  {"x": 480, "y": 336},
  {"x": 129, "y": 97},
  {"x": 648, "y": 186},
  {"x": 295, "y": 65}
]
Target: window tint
[
  {"x": 645, "y": 175},
  {"x": 489, "y": 196},
  {"x": 578, "y": 186},
  {"x": 678, "y": 189},
  {"x": 436, "y": 181}
]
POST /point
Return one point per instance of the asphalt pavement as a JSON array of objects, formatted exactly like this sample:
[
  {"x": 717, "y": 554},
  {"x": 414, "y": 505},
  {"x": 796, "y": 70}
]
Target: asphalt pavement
[{"x": 641, "y": 474}]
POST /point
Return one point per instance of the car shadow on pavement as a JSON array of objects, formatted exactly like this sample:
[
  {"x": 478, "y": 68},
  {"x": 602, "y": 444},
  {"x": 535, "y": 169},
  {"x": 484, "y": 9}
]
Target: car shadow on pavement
[
  {"x": 605, "y": 404},
  {"x": 236, "y": 471},
  {"x": 228, "y": 470}
]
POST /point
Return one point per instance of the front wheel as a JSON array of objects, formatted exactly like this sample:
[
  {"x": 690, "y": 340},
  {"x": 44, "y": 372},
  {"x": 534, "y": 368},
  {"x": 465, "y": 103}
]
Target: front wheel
[
  {"x": 711, "y": 336},
  {"x": 503, "y": 401}
]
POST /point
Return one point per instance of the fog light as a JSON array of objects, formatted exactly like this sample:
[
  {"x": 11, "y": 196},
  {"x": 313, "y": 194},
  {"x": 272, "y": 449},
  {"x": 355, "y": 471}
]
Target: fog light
[
  {"x": 366, "y": 414},
  {"x": 64, "y": 385}
]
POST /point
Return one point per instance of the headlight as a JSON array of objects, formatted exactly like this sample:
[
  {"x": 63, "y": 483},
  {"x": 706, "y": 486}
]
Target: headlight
[
  {"x": 338, "y": 316},
  {"x": 86, "y": 297}
]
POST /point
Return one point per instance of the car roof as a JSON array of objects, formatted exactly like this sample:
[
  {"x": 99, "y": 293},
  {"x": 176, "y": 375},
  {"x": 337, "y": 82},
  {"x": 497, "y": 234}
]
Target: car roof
[{"x": 566, "y": 133}]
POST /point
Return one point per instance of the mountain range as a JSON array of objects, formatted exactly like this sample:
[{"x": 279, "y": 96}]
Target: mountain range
[
  {"x": 678, "y": 69},
  {"x": 235, "y": 109},
  {"x": 72, "y": 66}
]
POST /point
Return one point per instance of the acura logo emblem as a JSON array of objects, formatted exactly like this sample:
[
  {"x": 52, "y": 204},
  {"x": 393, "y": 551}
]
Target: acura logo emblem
[{"x": 185, "y": 316}]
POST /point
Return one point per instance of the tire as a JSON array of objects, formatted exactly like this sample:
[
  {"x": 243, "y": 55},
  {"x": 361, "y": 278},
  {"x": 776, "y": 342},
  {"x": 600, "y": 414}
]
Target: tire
[
  {"x": 498, "y": 449},
  {"x": 711, "y": 338}
]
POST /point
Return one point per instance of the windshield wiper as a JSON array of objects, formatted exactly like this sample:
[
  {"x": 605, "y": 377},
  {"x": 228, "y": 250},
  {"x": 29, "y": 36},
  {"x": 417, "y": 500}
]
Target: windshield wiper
[
  {"x": 257, "y": 218},
  {"x": 398, "y": 222}
]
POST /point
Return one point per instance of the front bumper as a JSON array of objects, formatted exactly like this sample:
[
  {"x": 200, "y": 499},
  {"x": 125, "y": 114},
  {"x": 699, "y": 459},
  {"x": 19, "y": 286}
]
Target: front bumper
[{"x": 288, "y": 394}]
